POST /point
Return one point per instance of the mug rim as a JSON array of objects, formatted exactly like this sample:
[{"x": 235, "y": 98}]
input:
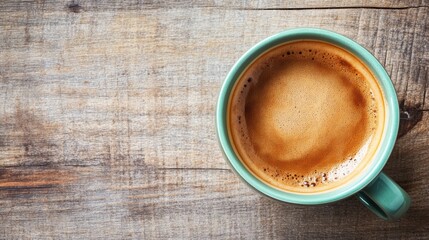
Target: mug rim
[{"x": 386, "y": 143}]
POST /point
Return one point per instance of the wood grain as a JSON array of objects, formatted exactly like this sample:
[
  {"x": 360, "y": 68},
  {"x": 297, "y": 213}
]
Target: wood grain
[
  {"x": 91, "y": 5},
  {"x": 107, "y": 119}
]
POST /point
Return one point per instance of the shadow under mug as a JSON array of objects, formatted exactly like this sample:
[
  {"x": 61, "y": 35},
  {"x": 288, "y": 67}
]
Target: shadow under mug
[{"x": 374, "y": 188}]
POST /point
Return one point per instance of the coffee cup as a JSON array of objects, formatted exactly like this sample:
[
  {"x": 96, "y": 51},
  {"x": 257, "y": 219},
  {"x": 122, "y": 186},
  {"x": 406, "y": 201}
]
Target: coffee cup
[{"x": 309, "y": 117}]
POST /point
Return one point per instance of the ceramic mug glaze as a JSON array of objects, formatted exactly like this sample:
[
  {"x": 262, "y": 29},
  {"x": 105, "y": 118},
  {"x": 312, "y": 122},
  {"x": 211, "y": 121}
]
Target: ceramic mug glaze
[{"x": 374, "y": 188}]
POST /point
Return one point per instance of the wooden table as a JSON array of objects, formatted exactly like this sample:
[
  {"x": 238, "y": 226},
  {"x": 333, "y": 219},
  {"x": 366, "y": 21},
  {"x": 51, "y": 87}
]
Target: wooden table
[{"x": 107, "y": 118}]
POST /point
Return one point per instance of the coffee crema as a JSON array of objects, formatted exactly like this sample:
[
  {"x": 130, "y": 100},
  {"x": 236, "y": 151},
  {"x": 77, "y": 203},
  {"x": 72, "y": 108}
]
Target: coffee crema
[{"x": 306, "y": 116}]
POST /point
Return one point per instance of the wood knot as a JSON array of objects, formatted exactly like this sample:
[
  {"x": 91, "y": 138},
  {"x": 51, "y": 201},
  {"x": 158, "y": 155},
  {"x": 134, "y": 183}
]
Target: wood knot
[{"x": 74, "y": 7}]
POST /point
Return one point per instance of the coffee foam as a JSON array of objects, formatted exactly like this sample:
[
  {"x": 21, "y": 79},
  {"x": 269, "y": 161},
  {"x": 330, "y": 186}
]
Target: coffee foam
[{"x": 306, "y": 116}]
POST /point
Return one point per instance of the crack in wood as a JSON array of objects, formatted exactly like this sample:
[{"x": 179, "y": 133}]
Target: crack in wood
[
  {"x": 194, "y": 169},
  {"x": 424, "y": 92},
  {"x": 332, "y": 8},
  {"x": 20, "y": 188}
]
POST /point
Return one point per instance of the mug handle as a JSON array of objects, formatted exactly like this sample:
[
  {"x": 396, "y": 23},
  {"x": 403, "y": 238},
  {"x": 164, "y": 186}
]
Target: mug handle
[{"x": 385, "y": 198}]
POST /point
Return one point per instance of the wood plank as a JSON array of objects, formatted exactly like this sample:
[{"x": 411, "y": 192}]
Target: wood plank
[
  {"x": 201, "y": 203},
  {"x": 146, "y": 93},
  {"x": 107, "y": 120},
  {"x": 93, "y": 5}
]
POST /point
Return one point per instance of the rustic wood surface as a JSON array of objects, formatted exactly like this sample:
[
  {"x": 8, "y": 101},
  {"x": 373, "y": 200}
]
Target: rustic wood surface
[{"x": 107, "y": 118}]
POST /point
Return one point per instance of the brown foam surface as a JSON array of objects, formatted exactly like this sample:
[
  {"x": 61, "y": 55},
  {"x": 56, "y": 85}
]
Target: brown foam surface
[{"x": 306, "y": 116}]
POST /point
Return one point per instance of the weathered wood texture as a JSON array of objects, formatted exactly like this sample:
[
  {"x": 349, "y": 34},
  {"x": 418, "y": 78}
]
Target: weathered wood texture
[
  {"x": 91, "y": 5},
  {"x": 107, "y": 119}
]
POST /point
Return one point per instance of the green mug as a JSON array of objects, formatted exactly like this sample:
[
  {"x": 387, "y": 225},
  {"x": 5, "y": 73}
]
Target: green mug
[{"x": 373, "y": 188}]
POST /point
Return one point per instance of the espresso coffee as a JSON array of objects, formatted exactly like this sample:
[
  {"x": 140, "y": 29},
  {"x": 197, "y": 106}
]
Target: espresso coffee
[{"x": 306, "y": 116}]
